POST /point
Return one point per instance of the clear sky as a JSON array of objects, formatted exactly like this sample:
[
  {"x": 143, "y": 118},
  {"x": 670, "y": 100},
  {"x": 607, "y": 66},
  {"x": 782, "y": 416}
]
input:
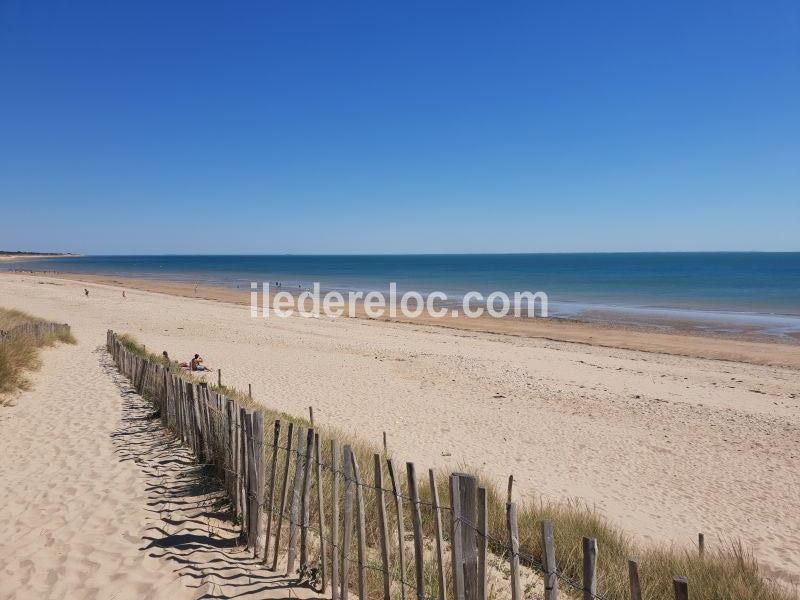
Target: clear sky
[{"x": 339, "y": 127}]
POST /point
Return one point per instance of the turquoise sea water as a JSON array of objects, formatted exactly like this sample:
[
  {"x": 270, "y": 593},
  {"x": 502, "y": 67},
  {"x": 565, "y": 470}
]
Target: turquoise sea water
[{"x": 718, "y": 290}]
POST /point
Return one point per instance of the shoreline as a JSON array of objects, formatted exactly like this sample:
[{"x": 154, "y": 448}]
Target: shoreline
[
  {"x": 8, "y": 258},
  {"x": 681, "y": 339}
]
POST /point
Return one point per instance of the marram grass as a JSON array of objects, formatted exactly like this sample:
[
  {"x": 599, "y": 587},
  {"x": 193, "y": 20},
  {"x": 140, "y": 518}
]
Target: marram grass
[{"x": 20, "y": 355}]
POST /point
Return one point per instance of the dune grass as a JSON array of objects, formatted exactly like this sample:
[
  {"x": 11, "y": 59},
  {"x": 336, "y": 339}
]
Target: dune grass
[
  {"x": 728, "y": 571},
  {"x": 10, "y": 318},
  {"x": 19, "y": 355}
]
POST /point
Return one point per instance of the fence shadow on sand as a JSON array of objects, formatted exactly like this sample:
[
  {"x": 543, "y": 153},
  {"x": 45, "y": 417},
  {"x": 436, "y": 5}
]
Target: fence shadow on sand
[{"x": 190, "y": 520}]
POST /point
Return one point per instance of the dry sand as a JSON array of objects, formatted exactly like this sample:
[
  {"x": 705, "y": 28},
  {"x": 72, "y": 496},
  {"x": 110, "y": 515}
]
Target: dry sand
[
  {"x": 666, "y": 446},
  {"x": 96, "y": 501}
]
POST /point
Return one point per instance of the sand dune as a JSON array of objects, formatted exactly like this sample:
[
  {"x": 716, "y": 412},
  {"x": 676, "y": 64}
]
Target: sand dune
[{"x": 666, "y": 446}]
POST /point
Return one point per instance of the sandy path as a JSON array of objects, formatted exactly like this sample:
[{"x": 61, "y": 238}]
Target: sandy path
[
  {"x": 666, "y": 446},
  {"x": 73, "y": 513},
  {"x": 97, "y": 501}
]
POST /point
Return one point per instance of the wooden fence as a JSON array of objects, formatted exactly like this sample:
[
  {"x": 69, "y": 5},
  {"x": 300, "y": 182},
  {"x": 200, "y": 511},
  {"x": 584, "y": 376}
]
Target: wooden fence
[
  {"x": 269, "y": 478},
  {"x": 36, "y": 331}
]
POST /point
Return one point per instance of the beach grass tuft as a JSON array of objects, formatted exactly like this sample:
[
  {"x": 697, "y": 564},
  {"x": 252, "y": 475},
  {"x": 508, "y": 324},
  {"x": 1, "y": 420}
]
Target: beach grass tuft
[{"x": 19, "y": 355}]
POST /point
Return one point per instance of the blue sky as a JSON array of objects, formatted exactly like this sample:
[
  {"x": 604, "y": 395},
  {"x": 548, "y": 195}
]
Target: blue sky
[{"x": 339, "y": 127}]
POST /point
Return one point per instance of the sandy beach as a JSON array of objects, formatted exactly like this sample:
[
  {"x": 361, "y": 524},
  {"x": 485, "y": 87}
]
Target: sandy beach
[
  {"x": 99, "y": 502},
  {"x": 665, "y": 445},
  {"x": 673, "y": 336}
]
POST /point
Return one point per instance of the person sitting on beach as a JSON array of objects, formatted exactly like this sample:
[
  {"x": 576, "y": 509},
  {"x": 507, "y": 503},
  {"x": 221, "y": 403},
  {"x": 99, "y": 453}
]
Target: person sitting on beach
[{"x": 196, "y": 364}]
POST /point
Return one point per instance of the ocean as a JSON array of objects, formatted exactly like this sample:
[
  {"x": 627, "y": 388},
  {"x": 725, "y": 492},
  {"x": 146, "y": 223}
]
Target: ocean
[{"x": 721, "y": 291}]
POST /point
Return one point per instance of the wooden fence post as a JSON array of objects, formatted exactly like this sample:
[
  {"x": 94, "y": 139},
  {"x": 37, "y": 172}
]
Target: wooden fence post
[
  {"x": 483, "y": 544},
  {"x": 456, "y": 548},
  {"x": 251, "y": 475},
  {"x": 469, "y": 534},
  {"x": 305, "y": 502},
  {"x": 284, "y": 494},
  {"x": 513, "y": 538},
  {"x": 383, "y": 530},
  {"x": 244, "y": 467},
  {"x": 348, "y": 520},
  {"x": 323, "y": 554},
  {"x": 335, "y": 521},
  {"x": 219, "y": 378},
  {"x": 633, "y": 576},
  {"x": 437, "y": 530},
  {"x": 549, "y": 562},
  {"x": 589, "y": 568},
  {"x": 681, "y": 587},
  {"x": 701, "y": 544},
  {"x": 416, "y": 523},
  {"x": 362, "y": 530},
  {"x": 463, "y": 497},
  {"x": 295, "y": 512},
  {"x": 258, "y": 481},
  {"x": 276, "y": 436},
  {"x": 401, "y": 528}
]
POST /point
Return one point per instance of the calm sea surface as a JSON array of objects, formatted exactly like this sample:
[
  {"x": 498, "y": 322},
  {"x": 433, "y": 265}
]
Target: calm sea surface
[{"x": 737, "y": 289}]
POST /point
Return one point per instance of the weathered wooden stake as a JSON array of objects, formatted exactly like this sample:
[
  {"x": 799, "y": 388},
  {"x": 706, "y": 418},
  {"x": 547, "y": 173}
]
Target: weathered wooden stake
[
  {"x": 456, "y": 548},
  {"x": 437, "y": 529},
  {"x": 416, "y": 523},
  {"x": 284, "y": 493},
  {"x": 335, "y": 521},
  {"x": 701, "y": 544},
  {"x": 589, "y": 568},
  {"x": 306, "y": 498},
  {"x": 311, "y": 415},
  {"x": 219, "y": 377},
  {"x": 469, "y": 535},
  {"x": 276, "y": 436},
  {"x": 681, "y": 587},
  {"x": 251, "y": 477},
  {"x": 550, "y": 577},
  {"x": 250, "y": 391},
  {"x": 295, "y": 515},
  {"x": 349, "y": 493},
  {"x": 483, "y": 544},
  {"x": 323, "y": 543},
  {"x": 260, "y": 474},
  {"x": 383, "y": 530},
  {"x": 510, "y": 489},
  {"x": 362, "y": 531},
  {"x": 633, "y": 576},
  {"x": 513, "y": 538},
  {"x": 401, "y": 528}
]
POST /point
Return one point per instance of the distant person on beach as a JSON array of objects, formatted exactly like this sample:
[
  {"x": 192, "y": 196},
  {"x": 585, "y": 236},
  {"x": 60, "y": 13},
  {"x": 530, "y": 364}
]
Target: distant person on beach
[
  {"x": 123, "y": 293},
  {"x": 196, "y": 364},
  {"x": 86, "y": 292}
]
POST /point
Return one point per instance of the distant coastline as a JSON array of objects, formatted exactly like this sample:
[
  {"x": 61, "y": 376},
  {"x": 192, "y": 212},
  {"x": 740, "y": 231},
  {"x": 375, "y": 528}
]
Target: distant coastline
[{"x": 20, "y": 255}]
